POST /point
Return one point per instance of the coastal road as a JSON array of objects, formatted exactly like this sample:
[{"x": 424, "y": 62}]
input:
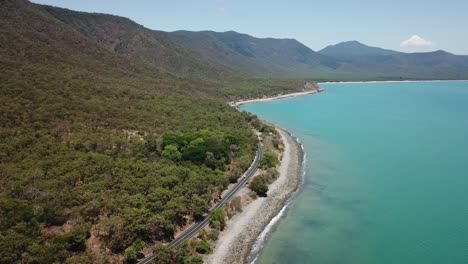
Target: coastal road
[{"x": 192, "y": 230}]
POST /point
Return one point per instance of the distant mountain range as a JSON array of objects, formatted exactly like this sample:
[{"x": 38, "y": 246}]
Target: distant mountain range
[
  {"x": 355, "y": 49},
  {"x": 218, "y": 57},
  {"x": 289, "y": 58},
  {"x": 266, "y": 57},
  {"x": 388, "y": 64}
]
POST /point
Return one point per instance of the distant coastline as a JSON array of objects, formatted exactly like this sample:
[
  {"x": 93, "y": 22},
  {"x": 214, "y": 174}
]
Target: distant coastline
[
  {"x": 401, "y": 81},
  {"x": 278, "y": 97}
]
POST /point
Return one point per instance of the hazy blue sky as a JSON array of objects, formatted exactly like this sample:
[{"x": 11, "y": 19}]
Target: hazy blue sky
[{"x": 426, "y": 25}]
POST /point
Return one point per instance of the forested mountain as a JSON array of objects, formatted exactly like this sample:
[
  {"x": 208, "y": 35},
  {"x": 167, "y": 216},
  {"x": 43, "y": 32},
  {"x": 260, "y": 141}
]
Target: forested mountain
[
  {"x": 361, "y": 62},
  {"x": 105, "y": 147},
  {"x": 288, "y": 58},
  {"x": 261, "y": 56},
  {"x": 354, "y": 49},
  {"x": 124, "y": 37}
]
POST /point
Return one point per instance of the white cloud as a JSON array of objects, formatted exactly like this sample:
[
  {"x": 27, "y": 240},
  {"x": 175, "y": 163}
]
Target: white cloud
[
  {"x": 221, "y": 8},
  {"x": 415, "y": 41}
]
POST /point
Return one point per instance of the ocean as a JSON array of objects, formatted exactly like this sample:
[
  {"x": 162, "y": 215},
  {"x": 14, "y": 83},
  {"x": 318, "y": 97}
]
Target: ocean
[{"x": 386, "y": 178}]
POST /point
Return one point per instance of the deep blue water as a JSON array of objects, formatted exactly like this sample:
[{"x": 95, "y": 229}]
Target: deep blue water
[{"x": 386, "y": 178}]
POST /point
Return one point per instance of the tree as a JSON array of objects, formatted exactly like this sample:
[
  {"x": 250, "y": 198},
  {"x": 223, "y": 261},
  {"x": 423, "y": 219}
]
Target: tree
[
  {"x": 213, "y": 234},
  {"x": 237, "y": 204},
  {"x": 203, "y": 247},
  {"x": 268, "y": 129},
  {"x": 199, "y": 206},
  {"x": 171, "y": 152},
  {"x": 163, "y": 255},
  {"x": 217, "y": 218},
  {"x": 193, "y": 260},
  {"x": 134, "y": 251},
  {"x": 210, "y": 160},
  {"x": 184, "y": 254},
  {"x": 131, "y": 254},
  {"x": 269, "y": 160},
  {"x": 257, "y": 124},
  {"x": 233, "y": 177},
  {"x": 151, "y": 143},
  {"x": 196, "y": 150},
  {"x": 77, "y": 239},
  {"x": 82, "y": 258},
  {"x": 259, "y": 187}
]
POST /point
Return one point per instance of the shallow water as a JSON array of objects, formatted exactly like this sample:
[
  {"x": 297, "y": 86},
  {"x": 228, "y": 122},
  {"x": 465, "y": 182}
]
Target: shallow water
[{"x": 386, "y": 179}]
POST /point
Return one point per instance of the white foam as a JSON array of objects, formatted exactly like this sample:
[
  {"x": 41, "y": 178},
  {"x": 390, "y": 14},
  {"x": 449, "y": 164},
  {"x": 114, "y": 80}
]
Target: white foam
[
  {"x": 262, "y": 237},
  {"x": 260, "y": 242}
]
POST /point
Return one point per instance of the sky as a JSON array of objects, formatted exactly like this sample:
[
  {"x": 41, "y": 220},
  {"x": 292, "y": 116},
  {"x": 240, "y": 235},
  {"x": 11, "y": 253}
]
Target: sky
[{"x": 403, "y": 25}]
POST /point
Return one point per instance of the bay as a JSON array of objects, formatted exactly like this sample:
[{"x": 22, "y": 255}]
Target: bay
[{"x": 386, "y": 178}]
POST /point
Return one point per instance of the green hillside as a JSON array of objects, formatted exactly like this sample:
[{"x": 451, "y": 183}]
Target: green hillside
[
  {"x": 267, "y": 57},
  {"x": 103, "y": 147},
  {"x": 124, "y": 37}
]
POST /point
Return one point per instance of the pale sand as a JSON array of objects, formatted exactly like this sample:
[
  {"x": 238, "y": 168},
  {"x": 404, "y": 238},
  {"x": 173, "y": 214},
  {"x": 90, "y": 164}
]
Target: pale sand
[
  {"x": 236, "y": 241},
  {"x": 272, "y": 98}
]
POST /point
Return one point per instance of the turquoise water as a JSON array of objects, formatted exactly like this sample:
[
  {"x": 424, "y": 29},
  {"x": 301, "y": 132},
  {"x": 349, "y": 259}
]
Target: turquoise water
[{"x": 386, "y": 178}]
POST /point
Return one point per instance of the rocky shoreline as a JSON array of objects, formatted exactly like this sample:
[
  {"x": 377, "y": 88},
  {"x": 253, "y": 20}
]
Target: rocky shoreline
[{"x": 239, "y": 237}]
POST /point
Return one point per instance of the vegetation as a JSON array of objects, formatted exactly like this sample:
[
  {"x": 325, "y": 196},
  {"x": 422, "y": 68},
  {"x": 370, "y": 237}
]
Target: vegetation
[
  {"x": 269, "y": 160},
  {"x": 112, "y": 137},
  {"x": 260, "y": 183},
  {"x": 101, "y": 149},
  {"x": 171, "y": 152},
  {"x": 134, "y": 251},
  {"x": 234, "y": 206},
  {"x": 272, "y": 145},
  {"x": 188, "y": 251},
  {"x": 184, "y": 253},
  {"x": 217, "y": 219},
  {"x": 203, "y": 247},
  {"x": 213, "y": 235},
  {"x": 259, "y": 187}
]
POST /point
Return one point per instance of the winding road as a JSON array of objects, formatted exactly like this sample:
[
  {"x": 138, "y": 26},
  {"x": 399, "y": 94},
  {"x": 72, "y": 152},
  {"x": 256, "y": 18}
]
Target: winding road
[{"x": 192, "y": 230}]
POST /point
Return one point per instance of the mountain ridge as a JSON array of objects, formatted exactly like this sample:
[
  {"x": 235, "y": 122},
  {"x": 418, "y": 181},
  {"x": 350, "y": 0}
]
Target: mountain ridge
[
  {"x": 355, "y": 48},
  {"x": 262, "y": 56},
  {"x": 221, "y": 57},
  {"x": 286, "y": 58}
]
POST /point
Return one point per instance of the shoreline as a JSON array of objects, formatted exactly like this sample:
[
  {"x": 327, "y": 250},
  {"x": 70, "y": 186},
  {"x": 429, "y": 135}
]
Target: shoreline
[
  {"x": 401, "y": 81},
  {"x": 278, "y": 97},
  {"x": 244, "y": 235}
]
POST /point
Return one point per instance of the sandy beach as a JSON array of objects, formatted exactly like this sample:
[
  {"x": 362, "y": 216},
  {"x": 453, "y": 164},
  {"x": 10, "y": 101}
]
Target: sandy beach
[
  {"x": 282, "y": 96},
  {"x": 236, "y": 241}
]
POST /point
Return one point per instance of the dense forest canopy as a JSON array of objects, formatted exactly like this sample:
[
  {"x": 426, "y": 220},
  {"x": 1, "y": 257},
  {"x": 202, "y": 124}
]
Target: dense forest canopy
[{"x": 101, "y": 151}]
